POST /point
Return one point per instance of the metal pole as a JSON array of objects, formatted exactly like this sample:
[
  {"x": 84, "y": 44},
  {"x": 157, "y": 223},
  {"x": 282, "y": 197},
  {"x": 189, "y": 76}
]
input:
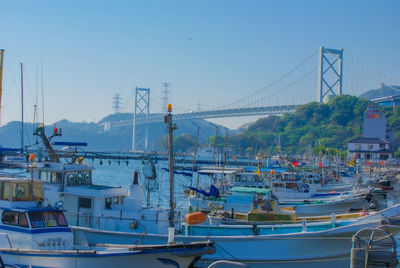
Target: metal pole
[
  {"x": 321, "y": 69},
  {"x": 134, "y": 122},
  {"x": 22, "y": 109},
  {"x": 1, "y": 75},
  {"x": 215, "y": 145},
  {"x": 170, "y": 128},
  {"x": 194, "y": 156},
  {"x": 146, "y": 131},
  {"x": 340, "y": 71}
]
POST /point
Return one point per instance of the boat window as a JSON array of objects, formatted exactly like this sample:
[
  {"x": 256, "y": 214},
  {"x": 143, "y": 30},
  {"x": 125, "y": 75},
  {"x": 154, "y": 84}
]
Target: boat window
[
  {"x": 71, "y": 180},
  {"x": 292, "y": 186},
  {"x": 115, "y": 200},
  {"x": 108, "y": 203},
  {"x": 87, "y": 177},
  {"x": 78, "y": 178},
  {"x": 61, "y": 221},
  {"x": 21, "y": 191},
  {"x": 36, "y": 219},
  {"x": 47, "y": 219},
  {"x": 56, "y": 177},
  {"x": 10, "y": 218},
  {"x": 44, "y": 176},
  {"x": 84, "y": 202},
  {"x": 38, "y": 191},
  {"x": 23, "y": 221},
  {"x": 4, "y": 191}
]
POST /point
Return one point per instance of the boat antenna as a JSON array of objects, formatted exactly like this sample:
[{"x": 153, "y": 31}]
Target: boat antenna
[
  {"x": 22, "y": 109},
  {"x": 215, "y": 145},
  {"x": 194, "y": 156},
  {"x": 1, "y": 76},
  {"x": 41, "y": 73},
  {"x": 170, "y": 128},
  {"x": 35, "y": 106}
]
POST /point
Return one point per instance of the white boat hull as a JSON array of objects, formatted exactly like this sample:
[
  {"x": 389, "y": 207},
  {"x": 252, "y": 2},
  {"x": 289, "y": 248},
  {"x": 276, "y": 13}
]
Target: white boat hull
[
  {"x": 265, "y": 250},
  {"x": 159, "y": 257},
  {"x": 328, "y": 207}
]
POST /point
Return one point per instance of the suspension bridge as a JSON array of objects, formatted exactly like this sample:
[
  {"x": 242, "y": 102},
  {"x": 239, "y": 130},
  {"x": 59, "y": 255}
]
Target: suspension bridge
[{"x": 318, "y": 77}]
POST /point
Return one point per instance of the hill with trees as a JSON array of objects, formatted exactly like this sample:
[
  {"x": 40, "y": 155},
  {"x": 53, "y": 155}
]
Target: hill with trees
[{"x": 312, "y": 125}]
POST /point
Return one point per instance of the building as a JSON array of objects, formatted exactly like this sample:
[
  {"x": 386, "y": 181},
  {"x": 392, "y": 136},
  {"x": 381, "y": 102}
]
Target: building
[
  {"x": 370, "y": 148},
  {"x": 377, "y": 139}
]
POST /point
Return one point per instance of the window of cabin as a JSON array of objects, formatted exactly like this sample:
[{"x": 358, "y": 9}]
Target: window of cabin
[
  {"x": 382, "y": 145},
  {"x": 71, "y": 178},
  {"x": 370, "y": 146},
  {"x": 56, "y": 177},
  {"x": 61, "y": 221},
  {"x": 10, "y": 218},
  {"x": 23, "y": 221},
  {"x": 115, "y": 200},
  {"x": 44, "y": 176},
  {"x": 21, "y": 191},
  {"x": 84, "y": 202},
  {"x": 38, "y": 191},
  {"x": 5, "y": 191},
  {"x": 108, "y": 203},
  {"x": 292, "y": 186},
  {"x": 50, "y": 219},
  {"x": 47, "y": 219},
  {"x": 36, "y": 219}
]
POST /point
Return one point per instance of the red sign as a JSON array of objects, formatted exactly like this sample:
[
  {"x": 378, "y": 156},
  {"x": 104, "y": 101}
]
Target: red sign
[{"x": 373, "y": 115}]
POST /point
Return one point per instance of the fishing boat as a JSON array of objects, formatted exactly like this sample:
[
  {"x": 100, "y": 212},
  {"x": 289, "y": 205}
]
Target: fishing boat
[
  {"x": 35, "y": 236},
  {"x": 69, "y": 186},
  {"x": 303, "y": 244}
]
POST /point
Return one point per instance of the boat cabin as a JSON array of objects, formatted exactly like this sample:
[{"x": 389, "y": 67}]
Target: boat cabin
[
  {"x": 250, "y": 179},
  {"x": 70, "y": 187},
  {"x": 26, "y": 222},
  {"x": 82, "y": 199}
]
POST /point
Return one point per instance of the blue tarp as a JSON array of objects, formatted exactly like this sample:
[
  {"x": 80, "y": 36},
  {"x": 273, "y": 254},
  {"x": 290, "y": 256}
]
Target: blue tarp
[
  {"x": 213, "y": 191},
  {"x": 67, "y": 143}
]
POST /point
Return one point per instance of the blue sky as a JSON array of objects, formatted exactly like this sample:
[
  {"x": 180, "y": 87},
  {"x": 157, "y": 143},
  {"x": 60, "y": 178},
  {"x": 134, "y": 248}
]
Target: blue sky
[{"x": 212, "y": 52}]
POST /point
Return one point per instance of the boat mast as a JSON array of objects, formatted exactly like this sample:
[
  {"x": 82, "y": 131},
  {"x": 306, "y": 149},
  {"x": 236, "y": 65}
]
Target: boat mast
[
  {"x": 170, "y": 128},
  {"x": 194, "y": 156},
  {"x": 1, "y": 75},
  {"x": 22, "y": 109}
]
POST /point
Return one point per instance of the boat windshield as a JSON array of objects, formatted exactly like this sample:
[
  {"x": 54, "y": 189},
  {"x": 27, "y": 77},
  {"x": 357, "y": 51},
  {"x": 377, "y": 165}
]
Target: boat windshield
[
  {"x": 82, "y": 177},
  {"x": 42, "y": 219}
]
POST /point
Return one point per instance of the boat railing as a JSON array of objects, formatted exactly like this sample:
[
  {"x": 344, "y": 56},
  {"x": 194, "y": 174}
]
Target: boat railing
[{"x": 102, "y": 221}]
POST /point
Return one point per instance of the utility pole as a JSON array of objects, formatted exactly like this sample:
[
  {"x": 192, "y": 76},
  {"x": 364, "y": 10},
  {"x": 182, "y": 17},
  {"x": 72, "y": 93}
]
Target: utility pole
[
  {"x": 117, "y": 103},
  {"x": 170, "y": 128}
]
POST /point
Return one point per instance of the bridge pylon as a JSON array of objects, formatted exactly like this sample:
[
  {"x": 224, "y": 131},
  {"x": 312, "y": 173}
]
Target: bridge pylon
[
  {"x": 330, "y": 72},
  {"x": 142, "y": 109}
]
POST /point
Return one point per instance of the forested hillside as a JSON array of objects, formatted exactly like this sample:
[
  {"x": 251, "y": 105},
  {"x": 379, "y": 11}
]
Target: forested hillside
[{"x": 313, "y": 124}]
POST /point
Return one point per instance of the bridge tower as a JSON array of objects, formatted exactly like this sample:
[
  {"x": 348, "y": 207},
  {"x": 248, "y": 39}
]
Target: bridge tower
[
  {"x": 142, "y": 109},
  {"x": 330, "y": 72}
]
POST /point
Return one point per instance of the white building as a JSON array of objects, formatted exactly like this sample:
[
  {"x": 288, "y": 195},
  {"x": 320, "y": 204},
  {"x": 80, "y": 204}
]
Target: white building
[{"x": 370, "y": 148}]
